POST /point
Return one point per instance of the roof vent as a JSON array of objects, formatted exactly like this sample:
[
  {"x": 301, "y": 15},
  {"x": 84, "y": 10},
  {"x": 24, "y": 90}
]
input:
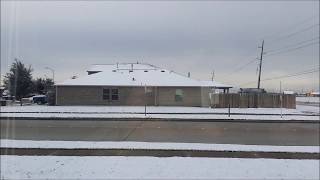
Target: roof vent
[
  {"x": 130, "y": 70},
  {"x": 114, "y": 71},
  {"x": 163, "y": 71},
  {"x": 145, "y": 71},
  {"x": 133, "y": 79}
]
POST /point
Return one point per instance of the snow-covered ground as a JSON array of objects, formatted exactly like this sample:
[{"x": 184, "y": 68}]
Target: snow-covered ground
[
  {"x": 131, "y": 112},
  {"x": 152, "y": 145},
  {"x": 164, "y": 116},
  {"x": 93, "y": 167},
  {"x": 308, "y": 99},
  {"x": 153, "y": 109}
]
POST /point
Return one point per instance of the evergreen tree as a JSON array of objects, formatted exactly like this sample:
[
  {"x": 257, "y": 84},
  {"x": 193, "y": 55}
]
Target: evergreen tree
[
  {"x": 19, "y": 80},
  {"x": 41, "y": 85}
]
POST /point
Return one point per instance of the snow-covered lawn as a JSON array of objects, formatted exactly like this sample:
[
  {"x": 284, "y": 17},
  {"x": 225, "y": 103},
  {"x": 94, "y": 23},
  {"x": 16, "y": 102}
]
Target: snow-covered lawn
[
  {"x": 164, "y": 116},
  {"x": 153, "y": 109},
  {"x": 163, "y": 112},
  {"x": 152, "y": 145},
  {"x": 120, "y": 167},
  {"x": 308, "y": 99}
]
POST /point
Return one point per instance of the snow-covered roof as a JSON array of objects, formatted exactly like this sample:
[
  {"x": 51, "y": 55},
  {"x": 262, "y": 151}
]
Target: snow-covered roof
[
  {"x": 136, "y": 75},
  {"x": 288, "y": 92},
  {"x": 120, "y": 66},
  {"x": 315, "y": 93}
]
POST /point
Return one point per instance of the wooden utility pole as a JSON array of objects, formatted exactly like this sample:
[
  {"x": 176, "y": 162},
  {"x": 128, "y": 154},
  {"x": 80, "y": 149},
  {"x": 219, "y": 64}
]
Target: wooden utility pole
[
  {"x": 281, "y": 98},
  {"x": 260, "y": 64},
  {"x": 212, "y": 77}
]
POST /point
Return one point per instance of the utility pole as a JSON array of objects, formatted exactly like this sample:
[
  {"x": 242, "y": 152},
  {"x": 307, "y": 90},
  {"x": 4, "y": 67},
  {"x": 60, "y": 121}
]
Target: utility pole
[
  {"x": 145, "y": 99},
  {"x": 260, "y": 64},
  {"x": 52, "y": 70},
  {"x": 212, "y": 77},
  {"x": 281, "y": 98}
]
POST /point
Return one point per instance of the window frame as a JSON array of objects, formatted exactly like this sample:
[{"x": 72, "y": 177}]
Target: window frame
[
  {"x": 148, "y": 91},
  {"x": 106, "y": 94},
  {"x": 114, "y": 94},
  {"x": 109, "y": 94},
  {"x": 178, "y": 97}
]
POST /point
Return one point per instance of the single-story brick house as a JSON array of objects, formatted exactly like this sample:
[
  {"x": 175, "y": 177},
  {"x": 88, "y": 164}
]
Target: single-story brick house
[{"x": 135, "y": 84}]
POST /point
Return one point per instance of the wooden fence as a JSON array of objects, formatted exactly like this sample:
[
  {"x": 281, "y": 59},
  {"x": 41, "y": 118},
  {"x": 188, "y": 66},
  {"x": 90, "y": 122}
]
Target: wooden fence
[{"x": 263, "y": 100}]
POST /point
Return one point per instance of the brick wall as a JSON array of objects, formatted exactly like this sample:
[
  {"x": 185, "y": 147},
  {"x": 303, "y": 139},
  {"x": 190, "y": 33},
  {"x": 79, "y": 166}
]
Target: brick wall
[{"x": 135, "y": 96}]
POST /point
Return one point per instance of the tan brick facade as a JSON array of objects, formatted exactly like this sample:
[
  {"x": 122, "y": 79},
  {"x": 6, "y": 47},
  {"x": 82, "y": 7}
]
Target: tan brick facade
[{"x": 135, "y": 96}]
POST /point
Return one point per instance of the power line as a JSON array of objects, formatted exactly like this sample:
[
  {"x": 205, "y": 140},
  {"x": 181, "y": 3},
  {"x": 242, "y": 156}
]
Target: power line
[
  {"x": 288, "y": 46},
  {"x": 282, "y": 77},
  {"x": 289, "y": 75},
  {"x": 309, "y": 71},
  {"x": 285, "y": 51},
  {"x": 292, "y": 26},
  {"x": 242, "y": 67},
  {"x": 281, "y": 52},
  {"x": 284, "y": 37},
  {"x": 293, "y": 49},
  {"x": 294, "y": 74},
  {"x": 295, "y": 33}
]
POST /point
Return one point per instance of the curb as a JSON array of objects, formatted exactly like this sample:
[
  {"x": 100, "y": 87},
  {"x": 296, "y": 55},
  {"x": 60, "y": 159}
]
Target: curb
[
  {"x": 169, "y": 113},
  {"x": 157, "y": 153},
  {"x": 3, "y": 118}
]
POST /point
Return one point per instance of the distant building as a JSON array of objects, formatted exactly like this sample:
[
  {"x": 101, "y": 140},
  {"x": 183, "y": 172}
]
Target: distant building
[
  {"x": 314, "y": 94},
  {"x": 135, "y": 84},
  {"x": 289, "y": 92},
  {"x": 251, "y": 90}
]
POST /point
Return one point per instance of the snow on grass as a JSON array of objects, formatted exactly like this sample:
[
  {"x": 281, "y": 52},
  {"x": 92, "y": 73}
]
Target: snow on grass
[
  {"x": 93, "y": 167},
  {"x": 308, "y": 99},
  {"x": 152, "y": 145},
  {"x": 163, "y": 116},
  {"x": 153, "y": 109},
  {"x": 129, "y": 112},
  {"x": 115, "y": 116}
]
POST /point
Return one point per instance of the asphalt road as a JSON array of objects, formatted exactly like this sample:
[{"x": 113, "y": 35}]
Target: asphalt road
[{"x": 164, "y": 131}]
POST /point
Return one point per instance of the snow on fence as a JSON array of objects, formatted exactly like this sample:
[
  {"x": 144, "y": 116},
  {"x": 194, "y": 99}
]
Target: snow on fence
[{"x": 263, "y": 100}]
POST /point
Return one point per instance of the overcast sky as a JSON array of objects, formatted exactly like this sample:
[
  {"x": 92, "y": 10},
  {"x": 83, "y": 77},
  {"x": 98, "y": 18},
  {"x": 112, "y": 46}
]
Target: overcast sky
[{"x": 196, "y": 37}]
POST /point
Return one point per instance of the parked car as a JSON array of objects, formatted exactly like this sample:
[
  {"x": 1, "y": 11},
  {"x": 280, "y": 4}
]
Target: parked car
[
  {"x": 28, "y": 100},
  {"x": 39, "y": 99}
]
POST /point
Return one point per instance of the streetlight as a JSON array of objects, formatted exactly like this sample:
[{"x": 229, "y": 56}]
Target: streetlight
[{"x": 52, "y": 73}]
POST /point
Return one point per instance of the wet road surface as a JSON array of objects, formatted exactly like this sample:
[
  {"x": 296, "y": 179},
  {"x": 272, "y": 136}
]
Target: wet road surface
[{"x": 163, "y": 131}]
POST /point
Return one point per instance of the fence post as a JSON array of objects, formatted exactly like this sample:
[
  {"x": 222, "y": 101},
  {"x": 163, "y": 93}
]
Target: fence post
[
  {"x": 145, "y": 100},
  {"x": 228, "y": 105},
  {"x": 280, "y": 99}
]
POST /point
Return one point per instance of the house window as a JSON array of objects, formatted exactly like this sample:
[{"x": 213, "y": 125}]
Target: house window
[
  {"x": 148, "y": 91},
  {"x": 114, "y": 94},
  {"x": 110, "y": 94},
  {"x": 179, "y": 95},
  {"x": 106, "y": 94}
]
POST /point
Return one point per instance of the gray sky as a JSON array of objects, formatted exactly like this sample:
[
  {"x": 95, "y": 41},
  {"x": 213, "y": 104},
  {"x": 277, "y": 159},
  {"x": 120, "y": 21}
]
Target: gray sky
[{"x": 195, "y": 37}]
